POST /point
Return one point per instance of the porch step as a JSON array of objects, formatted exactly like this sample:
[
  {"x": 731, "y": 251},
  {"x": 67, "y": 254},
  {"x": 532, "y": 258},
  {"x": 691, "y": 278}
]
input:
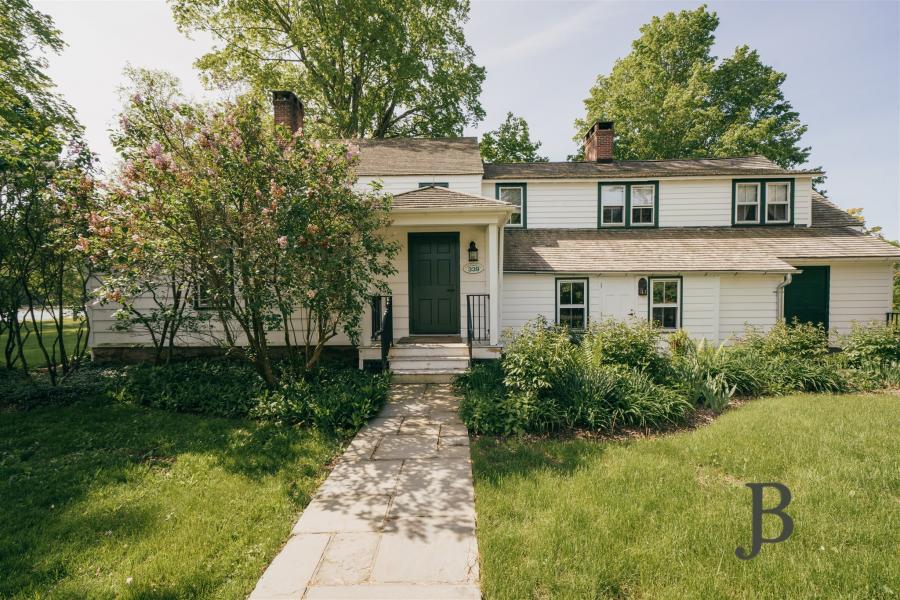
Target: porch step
[
  {"x": 424, "y": 376},
  {"x": 416, "y": 350},
  {"x": 429, "y": 363}
]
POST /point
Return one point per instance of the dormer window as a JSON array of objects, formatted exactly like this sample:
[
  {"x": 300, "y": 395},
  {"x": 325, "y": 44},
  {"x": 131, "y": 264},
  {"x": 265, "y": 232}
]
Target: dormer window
[
  {"x": 746, "y": 203},
  {"x": 612, "y": 205},
  {"x": 515, "y": 194},
  {"x": 642, "y": 205},
  {"x": 628, "y": 204},
  {"x": 762, "y": 201},
  {"x": 778, "y": 202}
]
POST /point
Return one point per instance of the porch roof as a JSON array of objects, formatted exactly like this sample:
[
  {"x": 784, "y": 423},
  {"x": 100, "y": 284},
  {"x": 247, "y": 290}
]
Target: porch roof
[
  {"x": 437, "y": 198},
  {"x": 688, "y": 249}
]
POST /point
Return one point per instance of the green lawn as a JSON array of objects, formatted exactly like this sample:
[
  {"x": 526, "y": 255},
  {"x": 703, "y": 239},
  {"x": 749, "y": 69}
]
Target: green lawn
[
  {"x": 101, "y": 500},
  {"x": 33, "y": 353},
  {"x": 661, "y": 518}
]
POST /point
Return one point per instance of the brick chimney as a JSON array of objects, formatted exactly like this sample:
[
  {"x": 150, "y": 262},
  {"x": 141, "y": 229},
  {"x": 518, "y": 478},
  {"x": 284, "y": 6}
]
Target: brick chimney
[
  {"x": 288, "y": 110},
  {"x": 598, "y": 143}
]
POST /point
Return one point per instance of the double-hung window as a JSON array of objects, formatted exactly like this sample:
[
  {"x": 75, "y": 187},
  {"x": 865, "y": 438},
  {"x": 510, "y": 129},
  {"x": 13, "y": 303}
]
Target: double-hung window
[
  {"x": 746, "y": 203},
  {"x": 642, "y": 204},
  {"x": 778, "y": 202},
  {"x": 515, "y": 195},
  {"x": 571, "y": 303},
  {"x": 665, "y": 303},
  {"x": 612, "y": 205}
]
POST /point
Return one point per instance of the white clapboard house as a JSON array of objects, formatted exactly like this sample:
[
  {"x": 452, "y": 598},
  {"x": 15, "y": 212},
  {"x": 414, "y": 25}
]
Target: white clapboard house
[{"x": 707, "y": 245}]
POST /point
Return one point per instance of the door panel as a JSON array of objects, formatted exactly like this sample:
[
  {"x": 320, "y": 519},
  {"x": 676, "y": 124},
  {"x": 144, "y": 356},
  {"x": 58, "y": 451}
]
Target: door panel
[
  {"x": 434, "y": 283},
  {"x": 806, "y": 297}
]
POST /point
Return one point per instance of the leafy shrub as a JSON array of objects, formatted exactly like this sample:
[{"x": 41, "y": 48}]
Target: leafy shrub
[
  {"x": 483, "y": 404},
  {"x": 83, "y": 383},
  {"x": 639, "y": 402},
  {"x": 634, "y": 344},
  {"x": 872, "y": 346},
  {"x": 795, "y": 339},
  {"x": 216, "y": 387},
  {"x": 536, "y": 358},
  {"x": 700, "y": 371},
  {"x": 337, "y": 400}
]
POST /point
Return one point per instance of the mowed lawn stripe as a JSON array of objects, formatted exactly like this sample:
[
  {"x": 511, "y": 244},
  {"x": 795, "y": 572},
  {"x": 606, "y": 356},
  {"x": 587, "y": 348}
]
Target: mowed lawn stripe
[{"x": 662, "y": 517}]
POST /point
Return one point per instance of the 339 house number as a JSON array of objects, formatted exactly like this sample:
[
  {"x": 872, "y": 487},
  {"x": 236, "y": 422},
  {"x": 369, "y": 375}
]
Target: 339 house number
[{"x": 472, "y": 268}]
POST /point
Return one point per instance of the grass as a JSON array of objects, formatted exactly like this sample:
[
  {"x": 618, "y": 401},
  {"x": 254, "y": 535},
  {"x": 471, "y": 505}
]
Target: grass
[
  {"x": 106, "y": 500},
  {"x": 661, "y": 517},
  {"x": 32, "y": 351}
]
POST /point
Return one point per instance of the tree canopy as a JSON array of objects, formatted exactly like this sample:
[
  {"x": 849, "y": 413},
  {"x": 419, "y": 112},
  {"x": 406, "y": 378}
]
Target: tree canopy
[
  {"x": 363, "y": 68},
  {"x": 670, "y": 98},
  {"x": 510, "y": 142}
]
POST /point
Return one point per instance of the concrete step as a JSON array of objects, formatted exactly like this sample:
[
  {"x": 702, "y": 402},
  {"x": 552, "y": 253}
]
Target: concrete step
[
  {"x": 429, "y": 363},
  {"x": 420, "y": 376},
  {"x": 430, "y": 350}
]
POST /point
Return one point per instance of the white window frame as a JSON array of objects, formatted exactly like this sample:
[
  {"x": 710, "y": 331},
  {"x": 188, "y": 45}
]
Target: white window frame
[
  {"x": 676, "y": 305},
  {"x": 521, "y": 207},
  {"x": 652, "y": 205},
  {"x": 603, "y": 205},
  {"x": 738, "y": 203},
  {"x": 583, "y": 305},
  {"x": 787, "y": 201}
]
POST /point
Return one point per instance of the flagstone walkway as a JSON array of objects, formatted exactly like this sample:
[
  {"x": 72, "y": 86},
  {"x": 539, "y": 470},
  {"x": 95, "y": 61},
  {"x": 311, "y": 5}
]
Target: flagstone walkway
[{"x": 396, "y": 516}]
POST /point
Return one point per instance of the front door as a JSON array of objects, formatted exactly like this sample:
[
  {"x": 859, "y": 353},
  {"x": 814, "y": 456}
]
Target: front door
[
  {"x": 434, "y": 283},
  {"x": 806, "y": 297}
]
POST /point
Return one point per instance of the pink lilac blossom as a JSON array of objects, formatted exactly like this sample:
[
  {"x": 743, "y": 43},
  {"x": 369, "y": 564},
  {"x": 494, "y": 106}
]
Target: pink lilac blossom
[{"x": 283, "y": 242}]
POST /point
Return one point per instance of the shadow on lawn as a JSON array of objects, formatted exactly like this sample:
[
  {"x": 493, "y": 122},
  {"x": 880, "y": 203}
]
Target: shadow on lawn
[
  {"x": 53, "y": 459},
  {"x": 495, "y": 459}
]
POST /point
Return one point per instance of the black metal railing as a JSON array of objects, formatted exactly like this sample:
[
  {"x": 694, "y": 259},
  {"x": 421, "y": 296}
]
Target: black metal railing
[
  {"x": 383, "y": 325},
  {"x": 478, "y": 319},
  {"x": 893, "y": 319}
]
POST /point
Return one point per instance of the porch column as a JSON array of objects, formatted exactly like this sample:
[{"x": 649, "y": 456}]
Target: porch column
[{"x": 493, "y": 252}]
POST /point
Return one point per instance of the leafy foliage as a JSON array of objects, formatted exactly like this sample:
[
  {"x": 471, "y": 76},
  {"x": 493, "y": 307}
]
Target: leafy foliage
[
  {"x": 510, "y": 143},
  {"x": 265, "y": 221},
  {"x": 364, "y": 68},
  {"x": 670, "y": 98}
]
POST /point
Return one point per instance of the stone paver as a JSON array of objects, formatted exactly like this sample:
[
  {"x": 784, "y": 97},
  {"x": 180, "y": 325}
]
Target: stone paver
[{"x": 396, "y": 516}]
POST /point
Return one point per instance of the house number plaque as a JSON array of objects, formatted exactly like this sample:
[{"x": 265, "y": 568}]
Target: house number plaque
[{"x": 472, "y": 267}]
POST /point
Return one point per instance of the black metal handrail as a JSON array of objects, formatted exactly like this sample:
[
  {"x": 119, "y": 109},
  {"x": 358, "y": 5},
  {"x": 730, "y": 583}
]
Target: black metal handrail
[
  {"x": 893, "y": 319},
  {"x": 478, "y": 319},
  {"x": 383, "y": 325}
]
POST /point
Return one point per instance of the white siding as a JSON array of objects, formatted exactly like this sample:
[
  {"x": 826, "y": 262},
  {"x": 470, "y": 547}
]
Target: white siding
[
  {"x": 803, "y": 201},
  {"x": 526, "y": 297},
  {"x": 470, "y": 184},
  {"x": 554, "y": 204},
  {"x": 700, "y": 310},
  {"x": 860, "y": 292},
  {"x": 695, "y": 203},
  {"x": 746, "y": 300}
]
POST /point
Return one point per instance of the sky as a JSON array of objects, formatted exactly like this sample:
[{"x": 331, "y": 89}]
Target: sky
[{"x": 842, "y": 61}]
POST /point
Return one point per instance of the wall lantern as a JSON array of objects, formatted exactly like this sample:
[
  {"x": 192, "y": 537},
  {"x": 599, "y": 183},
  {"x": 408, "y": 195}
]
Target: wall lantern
[
  {"x": 473, "y": 252},
  {"x": 642, "y": 286}
]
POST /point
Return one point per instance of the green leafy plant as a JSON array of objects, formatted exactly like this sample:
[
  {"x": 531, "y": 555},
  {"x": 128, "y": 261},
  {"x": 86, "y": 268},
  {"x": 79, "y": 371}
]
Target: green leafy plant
[{"x": 634, "y": 343}]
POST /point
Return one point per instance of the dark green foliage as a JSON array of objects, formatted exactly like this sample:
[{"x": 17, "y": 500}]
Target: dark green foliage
[
  {"x": 333, "y": 400},
  {"x": 21, "y": 393},
  {"x": 617, "y": 375}
]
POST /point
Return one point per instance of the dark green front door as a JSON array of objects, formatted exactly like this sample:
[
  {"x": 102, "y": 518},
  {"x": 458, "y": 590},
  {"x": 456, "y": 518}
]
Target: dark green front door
[
  {"x": 806, "y": 297},
  {"x": 434, "y": 283}
]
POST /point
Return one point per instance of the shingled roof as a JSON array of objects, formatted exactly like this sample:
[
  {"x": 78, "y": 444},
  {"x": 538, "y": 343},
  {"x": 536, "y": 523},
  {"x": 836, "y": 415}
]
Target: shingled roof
[
  {"x": 827, "y": 214},
  {"x": 418, "y": 156},
  {"x": 747, "y": 165},
  {"x": 440, "y": 198},
  {"x": 688, "y": 249}
]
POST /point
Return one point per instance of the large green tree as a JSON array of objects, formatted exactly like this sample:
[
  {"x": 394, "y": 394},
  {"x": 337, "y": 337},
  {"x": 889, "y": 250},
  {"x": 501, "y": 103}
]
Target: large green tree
[
  {"x": 363, "y": 68},
  {"x": 670, "y": 98},
  {"x": 511, "y": 142}
]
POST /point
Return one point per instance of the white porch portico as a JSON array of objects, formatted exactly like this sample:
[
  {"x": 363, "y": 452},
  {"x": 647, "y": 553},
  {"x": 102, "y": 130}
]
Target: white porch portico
[{"x": 445, "y": 295}]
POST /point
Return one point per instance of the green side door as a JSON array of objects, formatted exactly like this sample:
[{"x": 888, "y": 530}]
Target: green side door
[
  {"x": 434, "y": 283},
  {"x": 806, "y": 297}
]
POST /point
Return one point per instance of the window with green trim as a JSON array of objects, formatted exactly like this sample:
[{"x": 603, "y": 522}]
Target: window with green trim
[
  {"x": 778, "y": 202},
  {"x": 665, "y": 303},
  {"x": 612, "y": 205},
  {"x": 642, "y": 204},
  {"x": 571, "y": 303},
  {"x": 515, "y": 195},
  {"x": 746, "y": 203},
  {"x": 443, "y": 184},
  {"x": 628, "y": 204}
]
